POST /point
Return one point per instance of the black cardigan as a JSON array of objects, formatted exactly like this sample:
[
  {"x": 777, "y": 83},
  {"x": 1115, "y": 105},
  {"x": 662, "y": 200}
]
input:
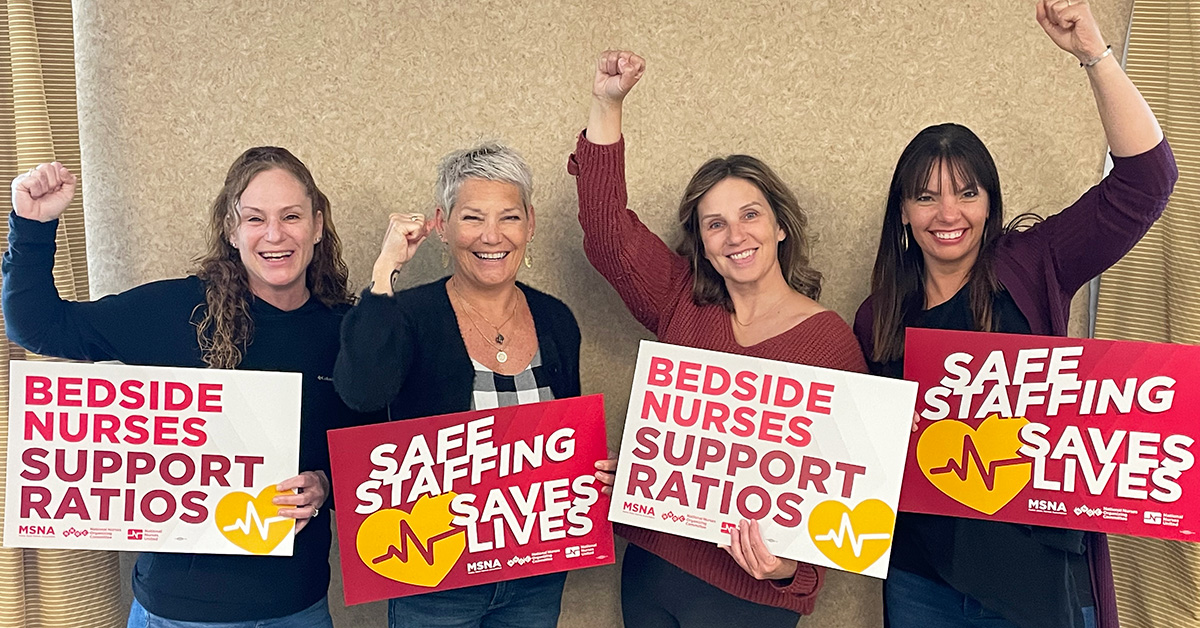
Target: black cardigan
[{"x": 406, "y": 352}]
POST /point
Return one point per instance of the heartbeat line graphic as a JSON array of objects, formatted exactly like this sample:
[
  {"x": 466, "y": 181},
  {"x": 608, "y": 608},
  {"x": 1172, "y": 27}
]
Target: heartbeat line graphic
[
  {"x": 406, "y": 533},
  {"x": 846, "y": 531},
  {"x": 252, "y": 518},
  {"x": 970, "y": 454}
]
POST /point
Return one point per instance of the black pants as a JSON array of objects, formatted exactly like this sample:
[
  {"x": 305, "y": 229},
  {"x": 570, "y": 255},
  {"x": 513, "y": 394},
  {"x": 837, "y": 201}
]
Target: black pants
[{"x": 657, "y": 594}]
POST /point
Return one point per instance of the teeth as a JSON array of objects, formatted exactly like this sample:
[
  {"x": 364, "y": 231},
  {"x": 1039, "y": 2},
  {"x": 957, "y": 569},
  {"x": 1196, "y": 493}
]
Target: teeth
[
  {"x": 947, "y": 235},
  {"x": 742, "y": 255},
  {"x": 491, "y": 255},
  {"x": 276, "y": 255}
]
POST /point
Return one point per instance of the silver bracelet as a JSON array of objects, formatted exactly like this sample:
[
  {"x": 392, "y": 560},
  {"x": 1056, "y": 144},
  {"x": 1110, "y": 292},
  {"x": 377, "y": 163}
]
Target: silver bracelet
[{"x": 1096, "y": 59}]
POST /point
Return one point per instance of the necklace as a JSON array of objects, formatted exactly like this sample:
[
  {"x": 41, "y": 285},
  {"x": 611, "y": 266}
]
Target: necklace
[
  {"x": 498, "y": 342},
  {"x": 767, "y": 312}
]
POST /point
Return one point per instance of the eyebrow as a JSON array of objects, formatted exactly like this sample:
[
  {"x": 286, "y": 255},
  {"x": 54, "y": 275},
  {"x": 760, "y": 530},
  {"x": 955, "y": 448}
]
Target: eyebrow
[
  {"x": 746, "y": 206},
  {"x": 245, "y": 207}
]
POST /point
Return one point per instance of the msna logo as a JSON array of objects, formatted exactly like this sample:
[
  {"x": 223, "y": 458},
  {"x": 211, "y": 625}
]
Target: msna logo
[
  {"x": 638, "y": 509},
  {"x": 35, "y": 530},
  {"x": 481, "y": 566},
  {"x": 1046, "y": 505}
]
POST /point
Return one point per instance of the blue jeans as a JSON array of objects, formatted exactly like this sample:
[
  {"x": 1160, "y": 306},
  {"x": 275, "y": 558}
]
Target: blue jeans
[
  {"x": 911, "y": 601},
  {"x": 315, "y": 616},
  {"x": 526, "y": 603}
]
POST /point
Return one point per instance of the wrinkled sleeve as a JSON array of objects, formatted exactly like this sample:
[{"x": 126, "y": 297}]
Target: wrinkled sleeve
[
  {"x": 378, "y": 342},
  {"x": 644, "y": 271}
]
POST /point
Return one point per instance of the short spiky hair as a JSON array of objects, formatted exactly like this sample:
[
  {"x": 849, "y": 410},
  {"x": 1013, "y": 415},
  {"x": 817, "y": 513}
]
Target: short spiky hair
[{"x": 492, "y": 162}]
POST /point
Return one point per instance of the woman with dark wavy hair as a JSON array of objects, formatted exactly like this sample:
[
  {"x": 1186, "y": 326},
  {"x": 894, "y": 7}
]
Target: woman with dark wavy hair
[
  {"x": 269, "y": 294},
  {"x": 739, "y": 282},
  {"x": 946, "y": 262}
]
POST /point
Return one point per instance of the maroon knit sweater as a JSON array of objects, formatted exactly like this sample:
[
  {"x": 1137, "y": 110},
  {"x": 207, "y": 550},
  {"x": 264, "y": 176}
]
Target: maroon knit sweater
[{"x": 656, "y": 285}]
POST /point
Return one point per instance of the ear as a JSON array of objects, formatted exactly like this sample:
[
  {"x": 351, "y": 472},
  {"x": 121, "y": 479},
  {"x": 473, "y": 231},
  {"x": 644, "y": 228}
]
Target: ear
[
  {"x": 532, "y": 223},
  {"x": 439, "y": 222},
  {"x": 782, "y": 234},
  {"x": 320, "y": 226}
]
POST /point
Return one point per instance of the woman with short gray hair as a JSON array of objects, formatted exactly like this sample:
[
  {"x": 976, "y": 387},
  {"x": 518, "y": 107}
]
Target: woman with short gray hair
[{"x": 451, "y": 345}]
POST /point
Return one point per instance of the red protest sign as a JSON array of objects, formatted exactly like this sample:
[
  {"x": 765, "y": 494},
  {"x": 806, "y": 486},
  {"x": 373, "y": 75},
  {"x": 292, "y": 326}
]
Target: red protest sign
[
  {"x": 470, "y": 498},
  {"x": 1084, "y": 434}
]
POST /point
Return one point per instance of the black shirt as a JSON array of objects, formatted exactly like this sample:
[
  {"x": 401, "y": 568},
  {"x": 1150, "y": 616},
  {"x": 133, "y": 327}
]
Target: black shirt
[{"x": 153, "y": 325}]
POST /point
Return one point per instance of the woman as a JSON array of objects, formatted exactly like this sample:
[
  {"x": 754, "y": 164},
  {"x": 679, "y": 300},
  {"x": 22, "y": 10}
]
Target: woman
[
  {"x": 474, "y": 340},
  {"x": 944, "y": 262},
  {"x": 740, "y": 283},
  {"x": 273, "y": 273}
]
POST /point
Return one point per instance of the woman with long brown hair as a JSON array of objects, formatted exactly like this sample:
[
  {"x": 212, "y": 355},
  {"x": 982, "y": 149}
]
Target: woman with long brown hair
[
  {"x": 268, "y": 294},
  {"x": 946, "y": 262},
  {"x": 739, "y": 282}
]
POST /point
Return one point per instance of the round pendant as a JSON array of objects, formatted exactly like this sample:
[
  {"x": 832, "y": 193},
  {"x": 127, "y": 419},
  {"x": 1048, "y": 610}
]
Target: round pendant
[{"x": 501, "y": 357}]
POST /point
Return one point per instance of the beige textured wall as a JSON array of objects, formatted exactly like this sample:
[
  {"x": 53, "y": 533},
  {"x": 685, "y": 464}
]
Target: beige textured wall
[{"x": 371, "y": 94}]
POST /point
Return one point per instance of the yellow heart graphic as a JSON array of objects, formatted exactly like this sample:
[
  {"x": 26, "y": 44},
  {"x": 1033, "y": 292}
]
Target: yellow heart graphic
[
  {"x": 852, "y": 539},
  {"x": 253, "y": 523},
  {"x": 417, "y": 548},
  {"x": 976, "y": 467}
]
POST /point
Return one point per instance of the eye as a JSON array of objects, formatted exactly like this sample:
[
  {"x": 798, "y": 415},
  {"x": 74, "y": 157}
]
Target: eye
[
  {"x": 292, "y": 217},
  {"x": 751, "y": 215},
  {"x": 252, "y": 219},
  {"x": 924, "y": 198},
  {"x": 972, "y": 193},
  {"x": 512, "y": 218},
  {"x": 470, "y": 217},
  {"x": 716, "y": 224}
]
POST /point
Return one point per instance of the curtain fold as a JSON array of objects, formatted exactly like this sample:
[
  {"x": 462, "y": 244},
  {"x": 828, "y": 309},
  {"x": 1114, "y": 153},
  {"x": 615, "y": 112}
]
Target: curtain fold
[
  {"x": 38, "y": 123},
  {"x": 1154, "y": 293}
]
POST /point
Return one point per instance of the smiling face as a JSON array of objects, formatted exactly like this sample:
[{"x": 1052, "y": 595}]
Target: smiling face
[
  {"x": 486, "y": 231},
  {"x": 947, "y": 219},
  {"x": 275, "y": 234},
  {"x": 738, "y": 229}
]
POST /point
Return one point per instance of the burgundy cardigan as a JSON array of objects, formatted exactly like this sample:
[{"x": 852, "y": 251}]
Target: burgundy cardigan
[{"x": 1044, "y": 266}]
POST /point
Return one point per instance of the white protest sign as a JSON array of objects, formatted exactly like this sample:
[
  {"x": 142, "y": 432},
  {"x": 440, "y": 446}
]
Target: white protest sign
[
  {"x": 113, "y": 457},
  {"x": 816, "y": 455}
]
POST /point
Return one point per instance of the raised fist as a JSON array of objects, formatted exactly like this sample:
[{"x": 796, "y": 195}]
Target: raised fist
[
  {"x": 404, "y": 234},
  {"x": 617, "y": 71},
  {"x": 1072, "y": 26},
  {"x": 43, "y": 193}
]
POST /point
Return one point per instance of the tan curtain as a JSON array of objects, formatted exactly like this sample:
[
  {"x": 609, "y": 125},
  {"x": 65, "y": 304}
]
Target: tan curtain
[
  {"x": 38, "y": 123},
  {"x": 1154, "y": 293}
]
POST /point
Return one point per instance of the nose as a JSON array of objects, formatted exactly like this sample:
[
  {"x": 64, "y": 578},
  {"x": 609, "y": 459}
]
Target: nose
[
  {"x": 736, "y": 234},
  {"x": 274, "y": 231},
  {"x": 948, "y": 209},
  {"x": 491, "y": 232}
]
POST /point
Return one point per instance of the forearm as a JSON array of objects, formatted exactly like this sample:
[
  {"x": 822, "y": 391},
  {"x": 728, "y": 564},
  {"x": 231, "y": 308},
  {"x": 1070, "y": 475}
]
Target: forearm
[
  {"x": 1129, "y": 124},
  {"x": 604, "y": 122}
]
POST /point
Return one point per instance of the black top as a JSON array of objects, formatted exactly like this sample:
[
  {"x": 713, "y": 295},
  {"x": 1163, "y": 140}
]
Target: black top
[
  {"x": 406, "y": 352},
  {"x": 995, "y": 562},
  {"x": 153, "y": 325}
]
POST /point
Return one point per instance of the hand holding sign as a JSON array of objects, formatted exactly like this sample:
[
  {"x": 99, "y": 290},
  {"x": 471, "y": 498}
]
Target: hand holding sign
[
  {"x": 311, "y": 489},
  {"x": 748, "y": 550}
]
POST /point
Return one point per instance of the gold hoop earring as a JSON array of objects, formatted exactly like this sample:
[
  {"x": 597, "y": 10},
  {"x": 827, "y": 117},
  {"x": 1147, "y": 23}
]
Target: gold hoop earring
[{"x": 904, "y": 238}]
